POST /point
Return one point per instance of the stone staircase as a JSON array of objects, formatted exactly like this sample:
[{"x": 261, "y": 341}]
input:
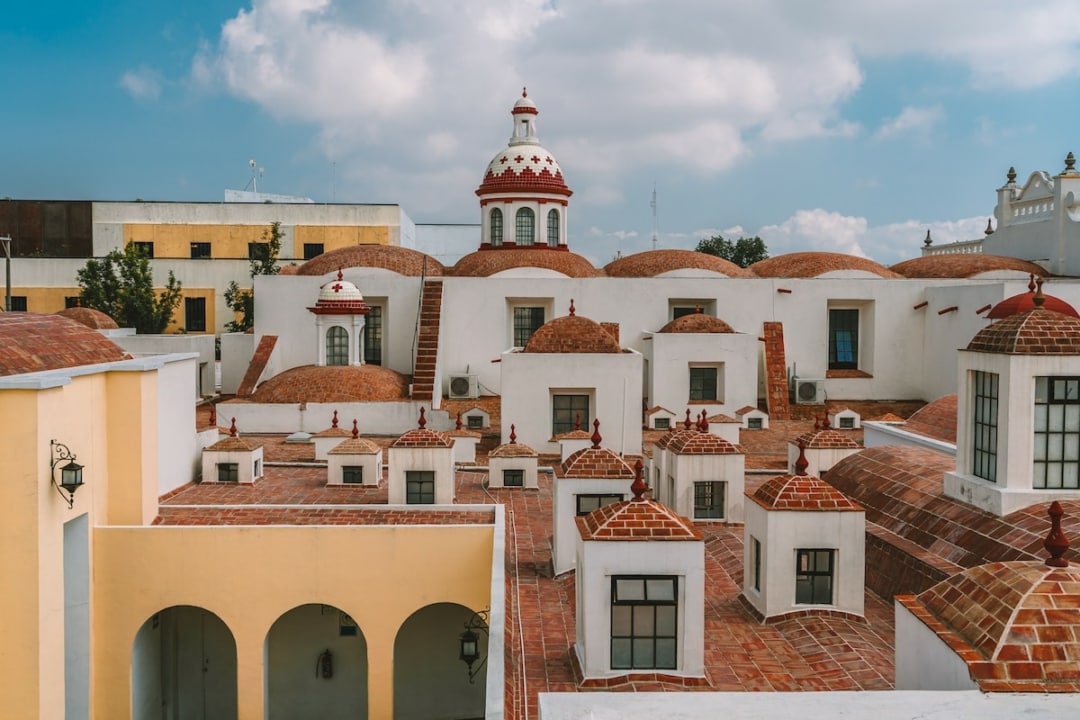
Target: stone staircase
[
  {"x": 427, "y": 343},
  {"x": 776, "y": 382}
]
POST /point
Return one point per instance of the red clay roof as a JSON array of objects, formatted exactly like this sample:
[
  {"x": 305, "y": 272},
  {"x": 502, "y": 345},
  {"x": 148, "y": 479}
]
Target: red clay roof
[
  {"x": 355, "y": 446},
  {"x": 423, "y": 438},
  {"x": 636, "y": 520},
  {"x": 488, "y": 262},
  {"x": 697, "y": 323},
  {"x": 1024, "y": 302},
  {"x": 512, "y": 450},
  {"x": 402, "y": 260},
  {"x": 801, "y": 492},
  {"x": 30, "y": 342},
  {"x": 1017, "y": 624},
  {"x": 89, "y": 317},
  {"x": 333, "y": 383},
  {"x": 1037, "y": 332},
  {"x": 657, "y": 262},
  {"x": 813, "y": 264},
  {"x": 826, "y": 439},
  {"x": 595, "y": 463},
  {"x": 936, "y": 419},
  {"x": 234, "y": 443},
  {"x": 696, "y": 442},
  {"x": 572, "y": 334},
  {"x": 962, "y": 265}
]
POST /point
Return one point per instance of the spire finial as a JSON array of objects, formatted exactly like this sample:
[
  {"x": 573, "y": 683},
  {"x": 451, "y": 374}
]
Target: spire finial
[
  {"x": 355, "y": 430},
  {"x": 339, "y": 275},
  {"x": 513, "y": 434},
  {"x": 686, "y": 422},
  {"x": 524, "y": 91},
  {"x": 989, "y": 228},
  {"x": 703, "y": 426},
  {"x": 596, "y": 437},
  {"x": 423, "y": 420},
  {"x": 801, "y": 463},
  {"x": 1011, "y": 175},
  {"x": 1056, "y": 543},
  {"x": 825, "y": 424},
  {"x": 697, "y": 309},
  {"x": 573, "y": 310},
  {"x": 928, "y": 241},
  {"x": 577, "y": 421},
  {"x": 817, "y": 423},
  {"x": 1070, "y": 163},
  {"x": 334, "y": 422},
  {"x": 1031, "y": 282},
  {"x": 457, "y": 425},
  {"x": 1039, "y": 298},
  {"x": 638, "y": 487},
  {"x": 232, "y": 428}
]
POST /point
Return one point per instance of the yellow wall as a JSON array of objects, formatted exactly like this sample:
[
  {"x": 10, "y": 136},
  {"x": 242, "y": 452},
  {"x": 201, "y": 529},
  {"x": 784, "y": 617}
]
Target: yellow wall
[
  {"x": 174, "y": 240},
  {"x": 338, "y": 236},
  {"x": 43, "y": 299},
  {"x": 251, "y": 576},
  {"x": 178, "y": 319}
]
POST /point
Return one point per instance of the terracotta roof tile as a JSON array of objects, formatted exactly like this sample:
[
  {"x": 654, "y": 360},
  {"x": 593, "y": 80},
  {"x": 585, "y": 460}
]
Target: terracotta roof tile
[
  {"x": 721, "y": 418},
  {"x": 695, "y": 442},
  {"x": 488, "y": 262},
  {"x": 30, "y": 342},
  {"x": 813, "y": 264},
  {"x": 513, "y": 450},
  {"x": 657, "y": 262},
  {"x": 936, "y": 419},
  {"x": 423, "y": 438},
  {"x": 962, "y": 266},
  {"x": 826, "y": 439},
  {"x": 355, "y": 446},
  {"x": 1037, "y": 332},
  {"x": 801, "y": 492},
  {"x": 336, "y": 383},
  {"x": 89, "y": 317},
  {"x": 572, "y": 334},
  {"x": 697, "y": 323},
  {"x": 636, "y": 520},
  {"x": 402, "y": 260},
  {"x": 595, "y": 463},
  {"x": 234, "y": 444}
]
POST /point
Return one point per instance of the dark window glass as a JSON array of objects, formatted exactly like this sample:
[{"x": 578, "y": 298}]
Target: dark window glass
[
  {"x": 200, "y": 251},
  {"x": 814, "y": 577},
  {"x": 146, "y": 248},
  {"x": 420, "y": 487},
  {"x": 258, "y": 251},
  {"x": 662, "y": 423},
  {"x": 228, "y": 472},
  {"x": 312, "y": 250},
  {"x": 586, "y": 503},
  {"x": 337, "y": 346},
  {"x": 195, "y": 314},
  {"x": 352, "y": 474},
  {"x": 525, "y": 230},
  {"x": 984, "y": 445},
  {"x": 703, "y": 383},
  {"x": 496, "y": 226},
  {"x": 513, "y": 478},
  {"x": 565, "y": 411},
  {"x": 644, "y": 623},
  {"x": 474, "y": 422},
  {"x": 72, "y": 301},
  {"x": 373, "y": 336},
  {"x": 843, "y": 339},
  {"x": 553, "y": 227},
  {"x": 18, "y": 303},
  {"x": 847, "y": 423},
  {"x": 527, "y": 320},
  {"x": 1057, "y": 433},
  {"x": 753, "y": 423},
  {"x": 709, "y": 500},
  {"x": 755, "y": 551}
]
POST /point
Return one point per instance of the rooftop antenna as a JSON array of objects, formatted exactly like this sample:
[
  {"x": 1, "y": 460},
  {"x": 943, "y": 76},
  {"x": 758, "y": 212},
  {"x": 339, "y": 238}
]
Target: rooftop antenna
[
  {"x": 255, "y": 175},
  {"x": 653, "y": 206}
]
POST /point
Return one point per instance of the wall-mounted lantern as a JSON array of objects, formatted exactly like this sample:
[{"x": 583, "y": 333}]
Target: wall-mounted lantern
[{"x": 71, "y": 478}]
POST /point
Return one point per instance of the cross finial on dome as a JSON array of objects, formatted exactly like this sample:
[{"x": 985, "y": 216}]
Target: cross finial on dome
[
  {"x": 1056, "y": 543},
  {"x": 1039, "y": 298},
  {"x": 232, "y": 428},
  {"x": 78, "y": 301},
  {"x": 355, "y": 430},
  {"x": 339, "y": 275},
  {"x": 801, "y": 463},
  {"x": 513, "y": 434},
  {"x": 686, "y": 422},
  {"x": 423, "y": 420},
  {"x": 524, "y": 91},
  {"x": 457, "y": 425},
  {"x": 697, "y": 309},
  {"x": 573, "y": 310},
  {"x": 334, "y": 422},
  {"x": 596, "y": 437},
  {"x": 638, "y": 487},
  {"x": 1070, "y": 163}
]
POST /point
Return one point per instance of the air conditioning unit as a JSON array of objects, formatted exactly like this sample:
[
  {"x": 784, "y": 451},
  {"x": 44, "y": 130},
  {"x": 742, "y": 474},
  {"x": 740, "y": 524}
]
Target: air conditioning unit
[
  {"x": 464, "y": 386},
  {"x": 809, "y": 392}
]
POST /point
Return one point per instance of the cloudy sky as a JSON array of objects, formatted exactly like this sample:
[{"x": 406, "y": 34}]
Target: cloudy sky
[{"x": 827, "y": 125}]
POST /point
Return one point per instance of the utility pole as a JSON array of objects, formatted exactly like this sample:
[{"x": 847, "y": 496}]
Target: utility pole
[{"x": 6, "y": 241}]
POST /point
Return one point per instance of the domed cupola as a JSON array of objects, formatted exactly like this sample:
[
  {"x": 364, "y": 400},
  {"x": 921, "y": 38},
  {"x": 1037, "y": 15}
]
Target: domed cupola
[
  {"x": 339, "y": 321},
  {"x": 523, "y": 197}
]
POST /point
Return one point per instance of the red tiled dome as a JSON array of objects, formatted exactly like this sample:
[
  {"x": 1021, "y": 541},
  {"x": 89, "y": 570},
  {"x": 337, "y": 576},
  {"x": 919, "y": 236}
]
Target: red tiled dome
[
  {"x": 337, "y": 383},
  {"x": 963, "y": 265},
  {"x": 636, "y": 520},
  {"x": 1037, "y": 332},
  {"x": 1023, "y": 302},
  {"x": 91, "y": 318},
  {"x": 402, "y": 260},
  {"x": 523, "y": 166},
  {"x": 936, "y": 419},
  {"x": 700, "y": 443},
  {"x": 423, "y": 438},
  {"x": 488, "y": 262},
  {"x": 657, "y": 262},
  {"x": 30, "y": 342},
  {"x": 801, "y": 492},
  {"x": 572, "y": 334},
  {"x": 826, "y": 439},
  {"x": 595, "y": 462},
  {"x": 697, "y": 323},
  {"x": 814, "y": 264}
]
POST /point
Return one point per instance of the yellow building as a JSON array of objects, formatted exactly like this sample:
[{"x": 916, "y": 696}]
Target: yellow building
[{"x": 128, "y": 608}]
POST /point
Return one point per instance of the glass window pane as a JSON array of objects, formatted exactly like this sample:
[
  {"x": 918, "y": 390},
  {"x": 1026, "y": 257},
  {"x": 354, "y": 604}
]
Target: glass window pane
[
  {"x": 620, "y": 653},
  {"x": 1053, "y": 475},
  {"x": 1072, "y": 418},
  {"x": 1070, "y": 477},
  {"x": 643, "y": 620},
  {"x": 1040, "y": 418},
  {"x": 1054, "y": 447},
  {"x": 620, "y": 620},
  {"x": 643, "y": 653},
  {"x": 1041, "y": 394},
  {"x": 629, "y": 589},
  {"x": 660, "y": 589},
  {"x": 665, "y": 654},
  {"x": 665, "y": 621}
]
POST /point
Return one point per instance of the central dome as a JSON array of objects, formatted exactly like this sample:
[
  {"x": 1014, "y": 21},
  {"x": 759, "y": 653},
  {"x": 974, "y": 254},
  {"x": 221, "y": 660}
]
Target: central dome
[{"x": 524, "y": 165}]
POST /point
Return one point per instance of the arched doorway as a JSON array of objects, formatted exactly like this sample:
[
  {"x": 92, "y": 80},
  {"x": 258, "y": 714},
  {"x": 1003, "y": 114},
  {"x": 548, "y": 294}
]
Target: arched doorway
[
  {"x": 316, "y": 666},
  {"x": 183, "y": 667},
  {"x": 429, "y": 678}
]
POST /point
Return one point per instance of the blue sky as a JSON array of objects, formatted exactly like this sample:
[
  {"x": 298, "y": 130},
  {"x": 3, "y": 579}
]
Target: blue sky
[{"x": 830, "y": 125}]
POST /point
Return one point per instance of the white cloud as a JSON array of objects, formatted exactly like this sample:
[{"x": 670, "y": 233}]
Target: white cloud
[
  {"x": 142, "y": 83},
  {"x": 911, "y": 120}
]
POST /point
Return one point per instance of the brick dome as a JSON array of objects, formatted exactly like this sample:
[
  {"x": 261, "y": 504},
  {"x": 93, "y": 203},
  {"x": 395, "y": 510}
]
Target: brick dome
[
  {"x": 636, "y": 520},
  {"x": 801, "y": 492},
  {"x": 91, "y": 318},
  {"x": 30, "y": 342},
  {"x": 963, "y": 265},
  {"x": 572, "y": 334},
  {"x": 652, "y": 263},
  {"x": 327, "y": 384},
  {"x": 1036, "y": 332},
  {"x": 339, "y": 297},
  {"x": 402, "y": 260},
  {"x": 1023, "y": 302},
  {"x": 697, "y": 322},
  {"x": 524, "y": 166},
  {"x": 815, "y": 264},
  {"x": 936, "y": 419},
  {"x": 491, "y": 261},
  {"x": 696, "y": 442}
]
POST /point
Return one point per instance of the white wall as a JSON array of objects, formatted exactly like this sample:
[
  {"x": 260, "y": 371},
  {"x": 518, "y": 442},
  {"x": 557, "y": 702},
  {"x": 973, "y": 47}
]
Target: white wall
[
  {"x": 439, "y": 460},
  {"x": 565, "y": 537},
  {"x": 386, "y": 418},
  {"x": 923, "y": 660},
  {"x": 688, "y": 469},
  {"x": 671, "y": 355},
  {"x": 178, "y": 451},
  {"x": 203, "y": 345}
]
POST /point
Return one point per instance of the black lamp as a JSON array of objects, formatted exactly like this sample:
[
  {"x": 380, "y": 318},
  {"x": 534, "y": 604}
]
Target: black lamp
[
  {"x": 470, "y": 643},
  {"x": 71, "y": 478}
]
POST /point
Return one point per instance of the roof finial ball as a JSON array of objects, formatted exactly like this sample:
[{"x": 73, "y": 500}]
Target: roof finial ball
[
  {"x": 573, "y": 310},
  {"x": 1056, "y": 543},
  {"x": 638, "y": 487},
  {"x": 989, "y": 227},
  {"x": 801, "y": 462},
  {"x": 423, "y": 420},
  {"x": 1039, "y": 298},
  {"x": 596, "y": 437},
  {"x": 524, "y": 91},
  {"x": 928, "y": 241},
  {"x": 1011, "y": 175},
  {"x": 1070, "y": 163}
]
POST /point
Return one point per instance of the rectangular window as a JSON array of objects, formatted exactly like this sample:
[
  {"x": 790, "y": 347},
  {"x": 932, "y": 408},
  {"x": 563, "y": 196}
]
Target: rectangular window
[
  {"x": 18, "y": 303},
  {"x": 566, "y": 410},
  {"x": 755, "y": 558},
  {"x": 847, "y": 423},
  {"x": 228, "y": 472},
  {"x": 662, "y": 423},
  {"x": 589, "y": 502},
  {"x": 474, "y": 422},
  {"x": 373, "y": 335},
  {"x": 146, "y": 248},
  {"x": 526, "y": 321},
  {"x": 703, "y": 383},
  {"x": 312, "y": 250},
  {"x": 513, "y": 478},
  {"x": 1057, "y": 433},
  {"x": 644, "y": 623},
  {"x": 195, "y": 314},
  {"x": 984, "y": 442},
  {"x": 843, "y": 339},
  {"x": 200, "y": 251},
  {"x": 709, "y": 500},
  {"x": 753, "y": 423},
  {"x": 420, "y": 487},
  {"x": 71, "y": 301},
  {"x": 352, "y": 474},
  {"x": 814, "y": 577},
  {"x": 258, "y": 251},
  {"x": 688, "y": 306}
]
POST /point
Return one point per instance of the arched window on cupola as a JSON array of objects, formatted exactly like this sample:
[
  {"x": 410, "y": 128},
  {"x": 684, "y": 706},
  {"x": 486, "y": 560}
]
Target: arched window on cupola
[
  {"x": 553, "y": 227},
  {"x": 337, "y": 346},
  {"x": 496, "y": 220},
  {"x": 525, "y": 230}
]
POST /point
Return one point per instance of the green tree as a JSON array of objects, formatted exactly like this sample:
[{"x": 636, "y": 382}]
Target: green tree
[
  {"x": 121, "y": 285},
  {"x": 743, "y": 252},
  {"x": 264, "y": 261}
]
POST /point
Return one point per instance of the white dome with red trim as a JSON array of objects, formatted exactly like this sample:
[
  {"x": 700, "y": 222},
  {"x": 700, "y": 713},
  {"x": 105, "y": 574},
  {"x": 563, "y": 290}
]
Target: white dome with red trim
[
  {"x": 339, "y": 296},
  {"x": 524, "y": 166}
]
